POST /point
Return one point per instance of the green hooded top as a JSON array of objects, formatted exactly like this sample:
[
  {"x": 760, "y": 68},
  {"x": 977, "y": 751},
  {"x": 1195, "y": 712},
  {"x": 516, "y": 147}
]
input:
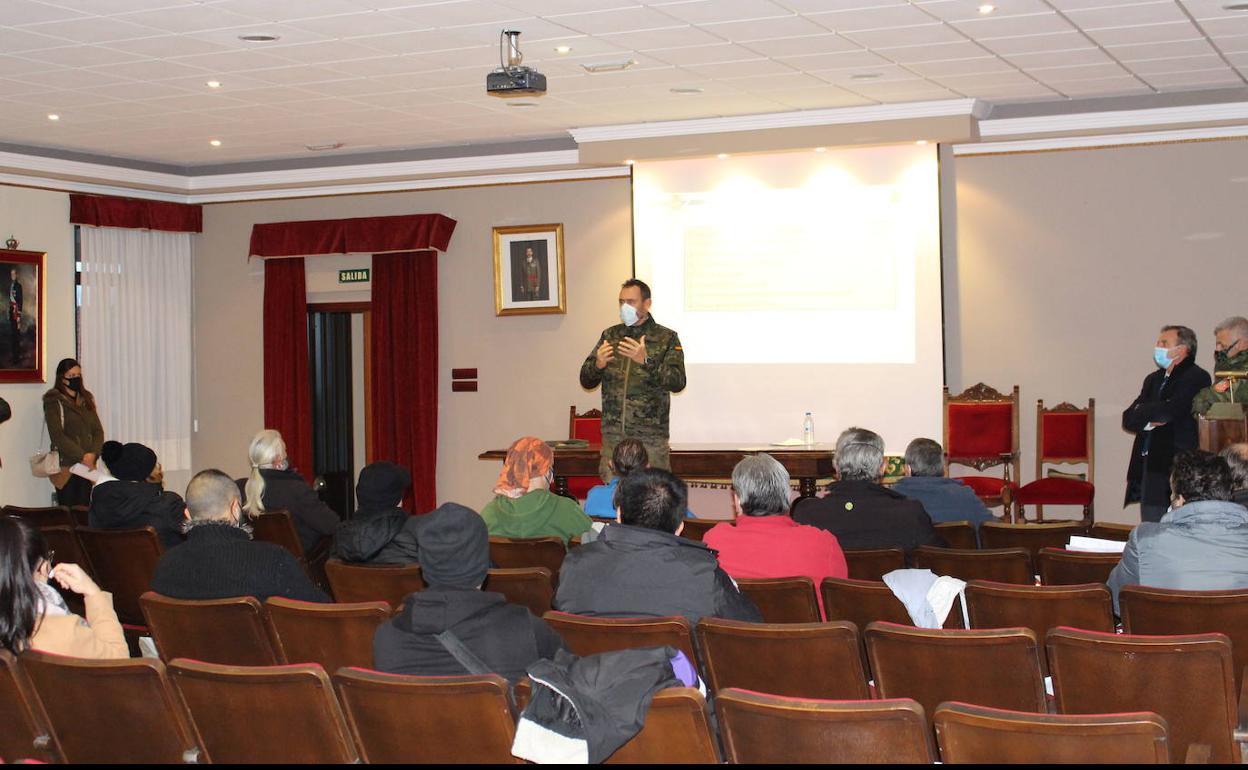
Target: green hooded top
[
  {"x": 538, "y": 513},
  {"x": 636, "y": 398},
  {"x": 1208, "y": 396}
]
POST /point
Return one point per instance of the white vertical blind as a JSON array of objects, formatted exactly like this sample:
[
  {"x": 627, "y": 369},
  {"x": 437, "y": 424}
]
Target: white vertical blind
[{"x": 136, "y": 337}]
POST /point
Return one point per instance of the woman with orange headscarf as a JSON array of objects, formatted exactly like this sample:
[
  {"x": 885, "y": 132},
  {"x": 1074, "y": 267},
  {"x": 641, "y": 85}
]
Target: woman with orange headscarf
[{"x": 523, "y": 505}]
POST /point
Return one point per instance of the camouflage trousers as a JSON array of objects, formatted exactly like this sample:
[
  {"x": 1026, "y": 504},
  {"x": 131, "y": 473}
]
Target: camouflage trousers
[{"x": 656, "y": 447}]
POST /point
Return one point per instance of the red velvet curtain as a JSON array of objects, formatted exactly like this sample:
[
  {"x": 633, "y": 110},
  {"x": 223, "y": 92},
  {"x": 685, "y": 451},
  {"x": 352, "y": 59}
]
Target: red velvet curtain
[
  {"x": 107, "y": 211},
  {"x": 404, "y": 371},
  {"x": 363, "y": 235},
  {"x": 287, "y": 389}
]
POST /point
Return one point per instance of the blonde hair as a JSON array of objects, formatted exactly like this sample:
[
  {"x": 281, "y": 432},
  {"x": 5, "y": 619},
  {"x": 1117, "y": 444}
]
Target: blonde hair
[{"x": 266, "y": 446}]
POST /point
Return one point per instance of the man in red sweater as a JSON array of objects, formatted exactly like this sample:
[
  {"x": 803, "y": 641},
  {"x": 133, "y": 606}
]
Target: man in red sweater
[{"x": 765, "y": 542}]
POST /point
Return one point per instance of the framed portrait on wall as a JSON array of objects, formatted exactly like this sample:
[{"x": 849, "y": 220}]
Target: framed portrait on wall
[
  {"x": 21, "y": 330},
  {"x": 528, "y": 270}
]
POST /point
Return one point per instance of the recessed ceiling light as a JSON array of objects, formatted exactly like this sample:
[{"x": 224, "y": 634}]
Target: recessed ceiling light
[
  {"x": 610, "y": 66},
  {"x": 921, "y": 142},
  {"x": 259, "y": 37},
  {"x": 821, "y": 149},
  {"x": 521, "y": 104},
  {"x": 215, "y": 142},
  {"x": 213, "y": 84},
  {"x": 1235, "y": 7},
  {"x": 562, "y": 49},
  {"x": 53, "y": 116},
  {"x": 323, "y": 147},
  {"x": 866, "y": 76},
  {"x": 986, "y": 9},
  {"x": 722, "y": 155},
  {"x": 685, "y": 90},
  {"x": 629, "y": 162}
]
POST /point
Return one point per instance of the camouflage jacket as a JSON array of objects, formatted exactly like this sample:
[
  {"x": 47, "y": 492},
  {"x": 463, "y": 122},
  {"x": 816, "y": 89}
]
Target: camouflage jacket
[
  {"x": 636, "y": 398},
  {"x": 1208, "y": 397}
]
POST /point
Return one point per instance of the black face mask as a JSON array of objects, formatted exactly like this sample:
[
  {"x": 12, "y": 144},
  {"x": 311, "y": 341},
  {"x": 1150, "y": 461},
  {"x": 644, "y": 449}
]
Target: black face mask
[{"x": 75, "y": 384}]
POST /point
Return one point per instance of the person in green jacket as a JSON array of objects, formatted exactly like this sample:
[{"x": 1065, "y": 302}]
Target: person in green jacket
[
  {"x": 1231, "y": 354},
  {"x": 523, "y": 505}
]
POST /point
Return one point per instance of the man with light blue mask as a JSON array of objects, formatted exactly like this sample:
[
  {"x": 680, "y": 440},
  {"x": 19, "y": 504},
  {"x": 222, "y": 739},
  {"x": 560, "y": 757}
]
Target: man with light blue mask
[
  {"x": 1161, "y": 419},
  {"x": 639, "y": 364}
]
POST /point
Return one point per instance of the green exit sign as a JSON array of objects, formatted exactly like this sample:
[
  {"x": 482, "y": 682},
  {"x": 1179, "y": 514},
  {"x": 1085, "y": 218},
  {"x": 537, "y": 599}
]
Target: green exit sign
[{"x": 359, "y": 275}]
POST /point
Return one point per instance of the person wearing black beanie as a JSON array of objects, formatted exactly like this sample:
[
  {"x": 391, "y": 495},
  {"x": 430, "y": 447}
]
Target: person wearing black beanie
[
  {"x": 137, "y": 497},
  {"x": 455, "y": 561},
  {"x": 380, "y": 532}
]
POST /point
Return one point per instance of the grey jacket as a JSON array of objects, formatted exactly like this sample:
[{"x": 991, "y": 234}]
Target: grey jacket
[{"x": 1198, "y": 546}]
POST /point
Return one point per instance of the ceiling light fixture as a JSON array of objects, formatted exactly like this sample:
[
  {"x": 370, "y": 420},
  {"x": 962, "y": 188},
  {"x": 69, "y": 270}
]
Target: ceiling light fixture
[
  {"x": 53, "y": 116},
  {"x": 259, "y": 37},
  {"x": 866, "y": 76},
  {"x": 563, "y": 49},
  {"x": 685, "y": 90},
  {"x": 722, "y": 155},
  {"x": 821, "y": 149},
  {"x": 323, "y": 147},
  {"x": 213, "y": 84},
  {"x": 986, "y": 9},
  {"x": 629, "y": 162},
  {"x": 921, "y": 142},
  {"x": 215, "y": 142},
  {"x": 611, "y": 66}
]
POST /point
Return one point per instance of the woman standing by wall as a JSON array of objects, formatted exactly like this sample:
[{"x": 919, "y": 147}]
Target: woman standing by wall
[{"x": 75, "y": 429}]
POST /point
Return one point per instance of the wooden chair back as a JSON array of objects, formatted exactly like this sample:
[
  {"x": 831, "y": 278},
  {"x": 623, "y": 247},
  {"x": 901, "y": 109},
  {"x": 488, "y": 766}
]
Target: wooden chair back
[
  {"x": 1040, "y": 608},
  {"x": 1109, "y": 530},
  {"x": 783, "y": 600},
  {"x": 767, "y": 730},
  {"x": 113, "y": 711},
  {"x": 278, "y": 527},
  {"x": 277, "y": 714},
  {"x": 589, "y": 636},
  {"x": 1059, "y": 567},
  {"x": 1032, "y": 536},
  {"x": 123, "y": 561},
  {"x": 1188, "y": 680},
  {"x": 979, "y": 735},
  {"x": 874, "y": 563},
  {"x": 81, "y": 515},
  {"x": 516, "y": 552},
  {"x": 46, "y": 516},
  {"x": 676, "y": 731},
  {"x": 26, "y": 733},
  {"x": 531, "y": 587},
  {"x": 354, "y": 583},
  {"x": 696, "y": 529},
  {"x": 1161, "y": 611},
  {"x": 1000, "y": 565},
  {"x": 64, "y": 541},
  {"x": 999, "y": 668},
  {"x": 866, "y": 601},
  {"x": 433, "y": 720},
  {"x": 331, "y": 635},
  {"x": 958, "y": 534},
  {"x": 780, "y": 658},
  {"x": 225, "y": 631}
]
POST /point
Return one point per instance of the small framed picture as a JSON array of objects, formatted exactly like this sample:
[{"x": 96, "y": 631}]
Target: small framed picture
[
  {"x": 21, "y": 332},
  {"x": 528, "y": 270}
]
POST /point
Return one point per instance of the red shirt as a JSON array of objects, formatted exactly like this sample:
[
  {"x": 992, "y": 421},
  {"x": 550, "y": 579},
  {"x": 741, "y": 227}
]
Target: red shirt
[{"x": 777, "y": 546}]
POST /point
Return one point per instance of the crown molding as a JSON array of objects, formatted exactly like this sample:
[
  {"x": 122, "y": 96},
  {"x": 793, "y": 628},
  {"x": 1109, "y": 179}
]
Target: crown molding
[
  {"x": 1101, "y": 140},
  {"x": 799, "y": 119},
  {"x": 1115, "y": 119}
]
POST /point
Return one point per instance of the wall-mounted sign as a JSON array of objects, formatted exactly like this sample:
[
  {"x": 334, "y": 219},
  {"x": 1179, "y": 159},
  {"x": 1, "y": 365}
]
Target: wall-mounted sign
[{"x": 358, "y": 275}]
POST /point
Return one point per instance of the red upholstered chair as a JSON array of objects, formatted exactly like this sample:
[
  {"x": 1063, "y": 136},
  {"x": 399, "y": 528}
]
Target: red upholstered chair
[
  {"x": 981, "y": 431},
  {"x": 587, "y": 427},
  {"x": 1064, "y": 435}
]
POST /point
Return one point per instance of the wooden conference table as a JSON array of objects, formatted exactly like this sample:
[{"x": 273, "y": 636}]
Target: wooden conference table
[{"x": 699, "y": 461}]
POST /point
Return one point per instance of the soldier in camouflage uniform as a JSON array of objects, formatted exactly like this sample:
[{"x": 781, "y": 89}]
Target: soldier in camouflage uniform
[
  {"x": 1231, "y": 355},
  {"x": 639, "y": 365}
]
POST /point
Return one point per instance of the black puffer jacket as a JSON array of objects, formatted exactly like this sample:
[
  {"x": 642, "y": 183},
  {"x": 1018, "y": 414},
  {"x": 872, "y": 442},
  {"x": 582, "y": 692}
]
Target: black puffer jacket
[
  {"x": 134, "y": 504},
  {"x": 287, "y": 490},
  {"x": 386, "y": 537}
]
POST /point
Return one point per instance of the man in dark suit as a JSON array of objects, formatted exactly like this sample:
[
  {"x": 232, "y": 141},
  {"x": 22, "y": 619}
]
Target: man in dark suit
[
  {"x": 860, "y": 511},
  {"x": 1161, "y": 419}
]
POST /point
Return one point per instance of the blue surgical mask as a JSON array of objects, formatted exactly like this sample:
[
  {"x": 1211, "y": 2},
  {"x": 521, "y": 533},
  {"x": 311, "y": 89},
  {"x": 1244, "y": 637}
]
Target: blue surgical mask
[
  {"x": 1161, "y": 357},
  {"x": 628, "y": 314}
]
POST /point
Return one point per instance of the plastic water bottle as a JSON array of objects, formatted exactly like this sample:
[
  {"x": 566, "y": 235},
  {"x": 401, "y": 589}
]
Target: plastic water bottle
[{"x": 808, "y": 430}]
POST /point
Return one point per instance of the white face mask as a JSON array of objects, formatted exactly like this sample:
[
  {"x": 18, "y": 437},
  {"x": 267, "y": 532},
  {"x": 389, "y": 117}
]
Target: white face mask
[{"x": 628, "y": 314}]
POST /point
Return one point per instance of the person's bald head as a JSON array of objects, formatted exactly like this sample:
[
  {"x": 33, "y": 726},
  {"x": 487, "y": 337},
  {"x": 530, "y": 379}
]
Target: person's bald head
[
  {"x": 1236, "y": 456},
  {"x": 212, "y": 495}
]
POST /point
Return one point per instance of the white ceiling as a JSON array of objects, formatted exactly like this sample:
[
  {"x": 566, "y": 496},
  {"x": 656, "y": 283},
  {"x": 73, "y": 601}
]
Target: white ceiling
[{"x": 127, "y": 77}]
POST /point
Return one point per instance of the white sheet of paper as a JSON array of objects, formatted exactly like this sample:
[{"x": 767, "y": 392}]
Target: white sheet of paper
[
  {"x": 1095, "y": 545},
  {"x": 94, "y": 476}
]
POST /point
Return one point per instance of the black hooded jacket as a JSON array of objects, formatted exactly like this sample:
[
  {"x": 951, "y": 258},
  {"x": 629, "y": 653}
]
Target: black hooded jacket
[
  {"x": 506, "y": 637},
  {"x": 385, "y": 537},
  {"x": 135, "y": 504},
  {"x": 288, "y": 490}
]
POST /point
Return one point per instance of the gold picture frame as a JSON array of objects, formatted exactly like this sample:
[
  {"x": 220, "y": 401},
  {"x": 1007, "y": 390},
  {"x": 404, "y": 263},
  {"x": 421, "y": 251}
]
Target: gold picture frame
[{"x": 529, "y": 270}]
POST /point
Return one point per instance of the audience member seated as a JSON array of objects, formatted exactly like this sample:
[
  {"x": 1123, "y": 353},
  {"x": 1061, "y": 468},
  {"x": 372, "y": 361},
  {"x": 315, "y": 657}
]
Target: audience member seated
[
  {"x": 943, "y": 498},
  {"x": 219, "y": 559},
  {"x": 1200, "y": 544},
  {"x": 273, "y": 485},
  {"x": 629, "y": 455},
  {"x": 860, "y": 511},
  {"x": 1236, "y": 456},
  {"x": 454, "y": 558},
  {"x": 34, "y": 616},
  {"x": 641, "y": 567},
  {"x": 138, "y": 497},
  {"x": 523, "y": 505},
  {"x": 380, "y": 532},
  {"x": 765, "y": 542}
]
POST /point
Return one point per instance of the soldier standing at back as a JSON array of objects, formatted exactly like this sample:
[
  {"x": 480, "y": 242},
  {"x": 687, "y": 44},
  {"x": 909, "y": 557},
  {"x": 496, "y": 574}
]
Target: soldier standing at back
[
  {"x": 1230, "y": 354},
  {"x": 639, "y": 365}
]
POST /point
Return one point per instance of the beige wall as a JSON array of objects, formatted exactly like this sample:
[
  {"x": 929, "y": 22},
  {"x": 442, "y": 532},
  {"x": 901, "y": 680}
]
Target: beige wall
[
  {"x": 40, "y": 221},
  {"x": 1067, "y": 263},
  {"x": 527, "y": 364}
]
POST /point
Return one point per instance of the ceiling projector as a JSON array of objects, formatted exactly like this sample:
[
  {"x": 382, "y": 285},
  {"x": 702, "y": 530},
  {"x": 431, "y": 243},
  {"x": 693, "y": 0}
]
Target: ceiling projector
[{"x": 512, "y": 78}]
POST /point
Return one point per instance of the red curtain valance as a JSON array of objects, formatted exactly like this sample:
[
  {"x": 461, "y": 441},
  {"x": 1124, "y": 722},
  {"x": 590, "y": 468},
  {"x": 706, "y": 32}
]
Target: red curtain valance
[
  {"x": 363, "y": 235},
  {"x": 107, "y": 211}
]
